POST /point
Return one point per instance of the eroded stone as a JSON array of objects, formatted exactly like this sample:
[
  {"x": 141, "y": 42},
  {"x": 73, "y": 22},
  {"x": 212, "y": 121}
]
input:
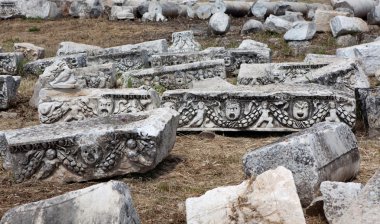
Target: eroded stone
[
  {"x": 327, "y": 151},
  {"x": 91, "y": 149},
  {"x": 219, "y": 23},
  {"x": 30, "y": 51},
  {"x": 369, "y": 104},
  {"x": 67, "y": 48},
  {"x": 342, "y": 25},
  {"x": 322, "y": 19},
  {"x": 9, "y": 63},
  {"x": 8, "y": 90},
  {"x": 184, "y": 42}
]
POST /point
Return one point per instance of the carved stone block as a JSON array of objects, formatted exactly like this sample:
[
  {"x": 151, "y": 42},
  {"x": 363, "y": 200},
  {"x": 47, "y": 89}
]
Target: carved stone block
[
  {"x": 327, "y": 151},
  {"x": 369, "y": 104},
  {"x": 263, "y": 108},
  {"x": 126, "y": 61},
  {"x": 71, "y": 105},
  {"x": 38, "y": 67},
  {"x": 184, "y": 42},
  {"x": 233, "y": 58},
  {"x": 8, "y": 90},
  {"x": 30, "y": 51},
  {"x": 10, "y": 9},
  {"x": 109, "y": 202},
  {"x": 341, "y": 74},
  {"x": 68, "y": 47},
  {"x": 9, "y": 63},
  {"x": 61, "y": 75},
  {"x": 91, "y": 149},
  {"x": 176, "y": 76}
]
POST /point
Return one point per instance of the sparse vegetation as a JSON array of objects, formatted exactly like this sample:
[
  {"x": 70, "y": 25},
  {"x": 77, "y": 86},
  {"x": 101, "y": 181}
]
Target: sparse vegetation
[{"x": 34, "y": 29}]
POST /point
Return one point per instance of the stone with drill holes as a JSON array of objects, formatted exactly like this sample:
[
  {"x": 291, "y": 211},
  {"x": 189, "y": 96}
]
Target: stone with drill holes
[
  {"x": 109, "y": 202},
  {"x": 327, "y": 151},
  {"x": 91, "y": 149},
  {"x": 10, "y": 62},
  {"x": 8, "y": 90},
  {"x": 74, "y": 104}
]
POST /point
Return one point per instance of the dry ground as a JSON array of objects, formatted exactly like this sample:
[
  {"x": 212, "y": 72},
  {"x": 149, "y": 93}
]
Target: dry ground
[{"x": 195, "y": 165}]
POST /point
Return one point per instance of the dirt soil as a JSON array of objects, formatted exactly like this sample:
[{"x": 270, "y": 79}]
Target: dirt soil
[{"x": 195, "y": 165}]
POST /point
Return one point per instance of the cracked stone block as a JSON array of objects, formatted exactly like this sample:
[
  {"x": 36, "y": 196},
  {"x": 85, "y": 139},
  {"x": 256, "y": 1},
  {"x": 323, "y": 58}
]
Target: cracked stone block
[
  {"x": 38, "y": 67},
  {"x": 340, "y": 75},
  {"x": 184, "y": 42},
  {"x": 213, "y": 106},
  {"x": 73, "y": 104},
  {"x": 109, "y": 202},
  {"x": 270, "y": 198},
  {"x": 9, "y": 63},
  {"x": 30, "y": 51},
  {"x": 326, "y": 152},
  {"x": 369, "y": 104},
  {"x": 176, "y": 76},
  {"x": 61, "y": 75},
  {"x": 91, "y": 149},
  {"x": 365, "y": 209},
  {"x": 8, "y": 90},
  {"x": 337, "y": 197}
]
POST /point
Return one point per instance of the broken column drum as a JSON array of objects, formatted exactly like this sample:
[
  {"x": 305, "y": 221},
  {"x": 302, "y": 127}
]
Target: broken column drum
[{"x": 264, "y": 108}]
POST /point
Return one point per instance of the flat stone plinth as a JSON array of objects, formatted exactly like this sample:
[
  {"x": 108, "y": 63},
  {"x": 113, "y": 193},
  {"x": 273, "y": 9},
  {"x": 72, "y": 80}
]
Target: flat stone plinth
[
  {"x": 176, "y": 76},
  {"x": 90, "y": 149},
  {"x": 73, "y": 104},
  {"x": 217, "y": 107}
]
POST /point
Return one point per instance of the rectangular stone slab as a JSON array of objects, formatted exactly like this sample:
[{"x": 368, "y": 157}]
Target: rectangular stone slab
[
  {"x": 264, "y": 108},
  {"x": 38, "y": 67},
  {"x": 8, "y": 90},
  {"x": 124, "y": 61},
  {"x": 10, "y": 9},
  {"x": 176, "y": 76},
  {"x": 343, "y": 74},
  {"x": 233, "y": 58},
  {"x": 9, "y": 63},
  {"x": 327, "y": 151},
  {"x": 369, "y": 104},
  {"x": 91, "y": 149},
  {"x": 71, "y": 104}
]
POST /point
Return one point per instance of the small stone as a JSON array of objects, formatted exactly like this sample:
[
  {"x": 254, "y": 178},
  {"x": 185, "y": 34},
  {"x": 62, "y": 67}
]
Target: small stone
[
  {"x": 301, "y": 31},
  {"x": 30, "y": 51},
  {"x": 252, "y": 26},
  {"x": 337, "y": 197},
  {"x": 342, "y": 25},
  {"x": 346, "y": 40},
  {"x": 206, "y": 135},
  {"x": 219, "y": 23},
  {"x": 109, "y": 202},
  {"x": 299, "y": 47}
]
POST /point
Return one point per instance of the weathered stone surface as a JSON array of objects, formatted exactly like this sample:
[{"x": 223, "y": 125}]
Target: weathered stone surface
[
  {"x": 30, "y": 51},
  {"x": 252, "y": 44},
  {"x": 366, "y": 208},
  {"x": 61, "y": 75},
  {"x": 218, "y": 6},
  {"x": 252, "y": 26},
  {"x": 337, "y": 197},
  {"x": 9, "y": 63},
  {"x": 263, "y": 108},
  {"x": 327, "y": 151},
  {"x": 203, "y": 12},
  {"x": 321, "y": 59},
  {"x": 124, "y": 61},
  {"x": 109, "y": 202},
  {"x": 151, "y": 47},
  {"x": 8, "y": 90},
  {"x": 277, "y": 24},
  {"x": 219, "y": 23},
  {"x": 299, "y": 47},
  {"x": 184, "y": 42},
  {"x": 292, "y": 16},
  {"x": 301, "y": 31},
  {"x": 176, "y": 76},
  {"x": 91, "y": 149},
  {"x": 346, "y": 40},
  {"x": 121, "y": 13},
  {"x": 73, "y": 104},
  {"x": 342, "y": 25},
  {"x": 360, "y": 8},
  {"x": 259, "y": 10},
  {"x": 369, "y": 104},
  {"x": 1, "y": 49},
  {"x": 154, "y": 12},
  {"x": 233, "y": 58},
  {"x": 322, "y": 19},
  {"x": 67, "y": 48},
  {"x": 86, "y": 8},
  {"x": 10, "y": 9},
  {"x": 368, "y": 54},
  {"x": 373, "y": 17},
  {"x": 38, "y": 67},
  {"x": 43, "y": 9},
  {"x": 271, "y": 198}
]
